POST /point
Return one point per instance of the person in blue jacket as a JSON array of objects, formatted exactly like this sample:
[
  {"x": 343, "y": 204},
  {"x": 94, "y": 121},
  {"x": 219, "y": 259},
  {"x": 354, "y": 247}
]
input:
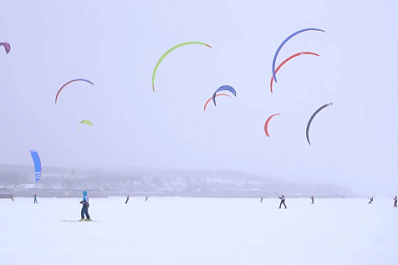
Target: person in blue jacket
[{"x": 86, "y": 204}]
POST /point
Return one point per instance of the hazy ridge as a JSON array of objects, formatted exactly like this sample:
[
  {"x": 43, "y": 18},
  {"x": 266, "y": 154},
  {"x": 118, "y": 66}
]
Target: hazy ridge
[{"x": 61, "y": 182}]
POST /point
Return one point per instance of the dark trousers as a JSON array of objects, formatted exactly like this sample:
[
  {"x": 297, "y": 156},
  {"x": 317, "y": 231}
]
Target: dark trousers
[
  {"x": 282, "y": 202},
  {"x": 85, "y": 212}
]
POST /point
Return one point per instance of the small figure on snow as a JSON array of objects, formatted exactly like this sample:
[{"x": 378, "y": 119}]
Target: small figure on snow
[
  {"x": 146, "y": 198},
  {"x": 395, "y": 201},
  {"x": 282, "y": 198},
  {"x": 370, "y": 201},
  {"x": 261, "y": 200},
  {"x": 127, "y": 198},
  {"x": 86, "y": 204},
  {"x": 312, "y": 200},
  {"x": 35, "y": 199}
]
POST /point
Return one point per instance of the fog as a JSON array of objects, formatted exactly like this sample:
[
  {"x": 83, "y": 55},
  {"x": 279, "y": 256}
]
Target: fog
[{"x": 117, "y": 45}]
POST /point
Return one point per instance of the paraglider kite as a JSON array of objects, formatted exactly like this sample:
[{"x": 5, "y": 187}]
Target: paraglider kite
[
  {"x": 207, "y": 102},
  {"x": 85, "y": 122},
  {"x": 6, "y": 46},
  {"x": 283, "y": 43},
  {"x": 37, "y": 164},
  {"x": 285, "y": 61},
  {"x": 223, "y": 88},
  {"x": 167, "y": 52},
  {"x": 312, "y": 117},
  {"x": 267, "y": 121},
  {"x": 67, "y": 83}
]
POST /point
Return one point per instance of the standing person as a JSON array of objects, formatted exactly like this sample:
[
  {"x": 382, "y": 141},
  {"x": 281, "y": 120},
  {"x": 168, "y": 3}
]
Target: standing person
[
  {"x": 86, "y": 204},
  {"x": 282, "y": 198},
  {"x": 35, "y": 199},
  {"x": 395, "y": 201},
  {"x": 370, "y": 201},
  {"x": 146, "y": 198},
  {"x": 261, "y": 200},
  {"x": 127, "y": 198},
  {"x": 312, "y": 200}
]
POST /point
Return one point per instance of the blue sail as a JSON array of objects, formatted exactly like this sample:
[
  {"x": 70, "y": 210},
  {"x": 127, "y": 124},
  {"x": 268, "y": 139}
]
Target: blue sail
[{"x": 37, "y": 164}]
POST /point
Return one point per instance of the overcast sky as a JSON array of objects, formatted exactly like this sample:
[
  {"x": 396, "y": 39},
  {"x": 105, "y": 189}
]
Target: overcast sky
[{"x": 116, "y": 45}]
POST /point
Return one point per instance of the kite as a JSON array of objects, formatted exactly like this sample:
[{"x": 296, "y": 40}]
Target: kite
[
  {"x": 85, "y": 122},
  {"x": 283, "y": 43},
  {"x": 167, "y": 52},
  {"x": 285, "y": 61},
  {"x": 6, "y": 45},
  {"x": 267, "y": 121},
  {"x": 207, "y": 102},
  {"x": 222, "y": 88},
  {"x": 36, "y": 163},
  {"x": 67, "y": 83},
  {"x": 312, "y": 117}
]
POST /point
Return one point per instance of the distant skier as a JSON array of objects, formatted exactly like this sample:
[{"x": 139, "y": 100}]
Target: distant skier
[
  {"x": 127, "y": 198},
  {"x": 370, "y": 201},
  {"x": 86, "y": 204},
  {"x": 282, "y": 198},
  {"x": 35, "y": 199},
  {"x": 146, "y": 198},
  {"x": 395, "y": 201},
  {"x": 261, "y": 200},
  {"x": 312, "y": 200}
]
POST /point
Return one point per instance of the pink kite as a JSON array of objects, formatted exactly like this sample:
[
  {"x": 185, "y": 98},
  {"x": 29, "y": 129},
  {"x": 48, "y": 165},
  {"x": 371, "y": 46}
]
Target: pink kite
[{"x": 6, "y": 46}]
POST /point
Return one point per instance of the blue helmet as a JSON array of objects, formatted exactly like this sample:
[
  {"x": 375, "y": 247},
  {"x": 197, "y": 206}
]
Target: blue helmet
[{"x": 84, "y": 193}]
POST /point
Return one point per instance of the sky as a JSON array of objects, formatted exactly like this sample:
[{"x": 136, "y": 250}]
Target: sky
[{"x": 117, "y": 45}]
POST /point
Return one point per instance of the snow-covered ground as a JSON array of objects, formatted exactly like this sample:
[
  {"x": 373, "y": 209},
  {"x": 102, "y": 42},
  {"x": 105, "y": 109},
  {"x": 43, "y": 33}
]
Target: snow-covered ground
[{"x": 199, "y": 231}]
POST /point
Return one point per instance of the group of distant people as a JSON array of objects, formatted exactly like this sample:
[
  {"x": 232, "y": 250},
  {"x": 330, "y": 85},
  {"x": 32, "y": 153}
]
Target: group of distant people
[
  {"x": 85, "y": 216},
  {"x": 394, "y": 198},
  {"x": 283, "y": 199},
  {"x": 128, "y": 198}
]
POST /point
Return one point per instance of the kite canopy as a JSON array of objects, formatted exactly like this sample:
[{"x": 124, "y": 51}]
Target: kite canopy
[
  {"x": 85, "y": 122},
  {"x": 37, "y": 164},
  {"x": 267, "y": 121},
  {"x": 67, "y": 83},
  {"x": 167, "y": 52},
  {"x": 223, "y": 88},
  {"x": 283, "y": 43},
  {"x": 288, "y": 59},
  {"x": 312, "y": 117},
  {"x": 6, "y": 46},
  {"x": 207, "y": 102}
]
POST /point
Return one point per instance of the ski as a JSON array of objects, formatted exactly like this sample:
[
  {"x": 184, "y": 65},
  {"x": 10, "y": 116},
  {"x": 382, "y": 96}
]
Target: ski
[{"x": 79, "y": 221}]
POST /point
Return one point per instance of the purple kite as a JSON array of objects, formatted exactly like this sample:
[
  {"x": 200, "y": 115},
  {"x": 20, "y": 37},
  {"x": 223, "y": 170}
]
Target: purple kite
[{"x": 6, "y": 46}]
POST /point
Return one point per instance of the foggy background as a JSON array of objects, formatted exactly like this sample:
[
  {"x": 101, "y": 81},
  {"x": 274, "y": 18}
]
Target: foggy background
[{"x": 117, "y": 44}]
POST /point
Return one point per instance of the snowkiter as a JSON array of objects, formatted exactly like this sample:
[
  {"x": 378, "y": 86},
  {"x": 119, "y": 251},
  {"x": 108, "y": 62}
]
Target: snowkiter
[
  {"x": 35, "y": 199},
  {"x": 370, "y": 201},
  {"x": 395, "y": 201},
  {"x": 86, "y": 204},
  {"x": 127, "y": 198},
  {"x": 282, "y": 198}
]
